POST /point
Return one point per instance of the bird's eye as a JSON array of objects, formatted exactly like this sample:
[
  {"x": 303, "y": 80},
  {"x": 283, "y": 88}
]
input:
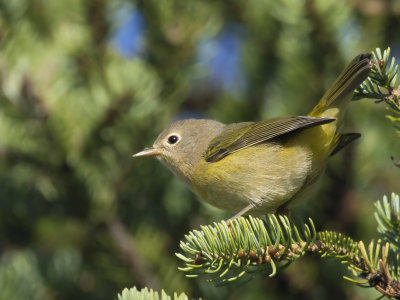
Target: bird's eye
[{"x": 172, "y": 139}]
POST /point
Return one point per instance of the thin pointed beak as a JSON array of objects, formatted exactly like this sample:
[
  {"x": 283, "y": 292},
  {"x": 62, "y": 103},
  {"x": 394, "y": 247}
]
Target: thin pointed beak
[{"x": 147, "y": 152}]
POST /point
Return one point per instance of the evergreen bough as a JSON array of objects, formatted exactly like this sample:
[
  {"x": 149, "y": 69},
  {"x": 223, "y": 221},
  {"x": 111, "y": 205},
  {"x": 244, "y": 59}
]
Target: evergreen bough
[
  {"x": 148, "y": 294},
  {"x": 235, "y": 252}
]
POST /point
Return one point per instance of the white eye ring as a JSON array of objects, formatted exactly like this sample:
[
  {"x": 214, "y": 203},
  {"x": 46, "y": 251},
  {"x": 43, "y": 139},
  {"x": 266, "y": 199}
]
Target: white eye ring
[{"x": 173, "y": 139}]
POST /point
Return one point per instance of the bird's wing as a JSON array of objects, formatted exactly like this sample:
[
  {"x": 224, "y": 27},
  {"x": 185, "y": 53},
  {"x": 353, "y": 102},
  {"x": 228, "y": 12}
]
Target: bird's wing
[{"x": 243, "y": 135}]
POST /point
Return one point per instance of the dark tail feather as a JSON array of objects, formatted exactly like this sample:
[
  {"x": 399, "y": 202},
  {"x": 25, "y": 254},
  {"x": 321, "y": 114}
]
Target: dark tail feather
[{"x": 344, "y": 140}]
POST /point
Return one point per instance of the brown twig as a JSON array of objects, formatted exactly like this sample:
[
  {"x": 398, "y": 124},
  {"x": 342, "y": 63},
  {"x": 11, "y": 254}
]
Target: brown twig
[
  {"x": 126, "y": 248},
  {"x": 383, "y": 281}
]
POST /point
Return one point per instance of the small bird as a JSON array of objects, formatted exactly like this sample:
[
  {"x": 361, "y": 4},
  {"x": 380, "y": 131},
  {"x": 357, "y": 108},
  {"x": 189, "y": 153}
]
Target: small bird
[{"x": 261, "y": 167}]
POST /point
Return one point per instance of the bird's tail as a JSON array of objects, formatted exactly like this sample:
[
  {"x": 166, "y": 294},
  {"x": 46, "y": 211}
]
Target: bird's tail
[
  {"x": 327, "y": 138},
  {"x": 335, "y": 100}
]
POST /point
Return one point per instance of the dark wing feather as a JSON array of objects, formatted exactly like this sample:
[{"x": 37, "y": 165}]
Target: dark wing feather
[{"x": 243, "y": 135}]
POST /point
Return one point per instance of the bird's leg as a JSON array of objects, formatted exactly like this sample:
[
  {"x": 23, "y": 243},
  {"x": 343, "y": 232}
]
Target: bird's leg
[
  {"x": 243, "y": 211},
  {"x": 283, "y": 210}
]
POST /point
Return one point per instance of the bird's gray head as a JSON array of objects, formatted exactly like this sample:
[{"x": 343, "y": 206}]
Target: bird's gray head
[{"x": 182, "y": 144}]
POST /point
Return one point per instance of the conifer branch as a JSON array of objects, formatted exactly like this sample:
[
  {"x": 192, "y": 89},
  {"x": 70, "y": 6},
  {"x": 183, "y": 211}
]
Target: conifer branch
[
  {"x": 236, "y": 251},
  {"x": 388, "y": 217},
  {"x": 145, "y": 293},
  {"x": 382, "y": 83}
]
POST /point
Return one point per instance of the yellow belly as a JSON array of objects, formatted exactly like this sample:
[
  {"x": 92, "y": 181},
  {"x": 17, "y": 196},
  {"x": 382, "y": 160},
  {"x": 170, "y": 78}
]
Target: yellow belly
[
  {"x": 263, "y": 174},
  {"x": 269, "y": 174}
]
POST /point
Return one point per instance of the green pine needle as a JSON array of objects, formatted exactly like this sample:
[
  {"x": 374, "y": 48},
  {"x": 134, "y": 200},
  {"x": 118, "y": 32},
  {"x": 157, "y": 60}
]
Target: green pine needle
[
  {"x": 388, "y": 217},
  {"x": 382, "y": 83},
  {"x": 148, "y": 294},
  {"x": 234, "y": 252},
  {"x": 245, "y": 246}
]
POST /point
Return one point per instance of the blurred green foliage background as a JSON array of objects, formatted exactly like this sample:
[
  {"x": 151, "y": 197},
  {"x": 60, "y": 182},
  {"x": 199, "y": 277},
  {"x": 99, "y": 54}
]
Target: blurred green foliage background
[{"x": 85, "y": 84}]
